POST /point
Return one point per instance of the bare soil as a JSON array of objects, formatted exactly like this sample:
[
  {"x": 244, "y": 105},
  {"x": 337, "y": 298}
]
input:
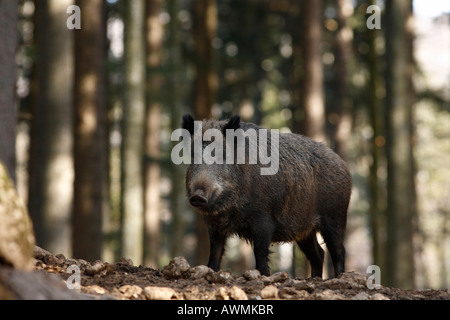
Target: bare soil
[{"x": 179, "y": 281}]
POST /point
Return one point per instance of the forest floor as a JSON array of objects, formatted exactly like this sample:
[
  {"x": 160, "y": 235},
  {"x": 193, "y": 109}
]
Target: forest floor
[{"x": 179, "y": 281}]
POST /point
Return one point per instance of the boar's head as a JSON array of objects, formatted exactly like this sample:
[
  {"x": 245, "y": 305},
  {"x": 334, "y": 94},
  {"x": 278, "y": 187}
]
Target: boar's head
[{"x": 211, "y": 188}]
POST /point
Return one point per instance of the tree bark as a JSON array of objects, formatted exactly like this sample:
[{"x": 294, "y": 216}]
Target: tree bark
[
  {"x": 133, "y": 133},
  {"x": 401, "y": 183},
  {"x": 16, "y": 230},
  {"x": 205, "y": 28},
  {"x": 343, "y": 103},
  {"x": 174, "y": 85},
  {"x": 8, "y": 105},
  {"x": 154, "y": 82},
  {"x": 51, "y": 137},
  {"x": 90, "y": 149},
  {"x": 22, "y": 285},
  {"x": 312, "y": 96},
  {"x": 377, "y": 215}
]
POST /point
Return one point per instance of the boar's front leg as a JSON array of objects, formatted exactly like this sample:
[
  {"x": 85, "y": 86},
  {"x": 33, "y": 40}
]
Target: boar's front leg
[
  {"x": 261, "y": 245},
  {"x": 216, "y": 249}
]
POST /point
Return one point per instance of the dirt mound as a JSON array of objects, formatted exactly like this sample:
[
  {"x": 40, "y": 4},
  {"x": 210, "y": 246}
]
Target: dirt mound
[{"x": 180, "y": 281}]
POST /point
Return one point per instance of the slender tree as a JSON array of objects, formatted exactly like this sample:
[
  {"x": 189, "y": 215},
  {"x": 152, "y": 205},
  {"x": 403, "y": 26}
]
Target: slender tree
[
  {"x": 205, "y": 28},
  {"x": 51, "y": 161},
  {"x": 133, "y": 132},
  {"x": 399, "y": 151},
  {"x": 312, "y": 95},
  {"x": 377, "y": 151},
  {"x": 343, "y": 103},
  {"x": 90, "y": 152},
  {"x": 154, "y": 42},
  {"x": 174, "y": 87},
  {"x": 8, "y": 105}
]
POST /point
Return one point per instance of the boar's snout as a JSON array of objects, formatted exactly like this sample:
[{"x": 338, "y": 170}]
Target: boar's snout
[{"x": 198, "y": 199}]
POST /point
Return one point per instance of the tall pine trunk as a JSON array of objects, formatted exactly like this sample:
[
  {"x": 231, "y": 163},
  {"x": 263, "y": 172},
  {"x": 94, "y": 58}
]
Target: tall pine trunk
[
  {"x": 401, "y": 184},
  {"x": 312, "y": 95},
  {"x": 8, "y": 105},
  {"x": 154, "y": 42},
  {"x": 90, "y": 149},
  {"x": 205, "y": 28},
  {"x": 174, "y": 86},
  {"x": 376, "y": 210},
  {"x": 133, "y": 133},
  {"x": 51, "y": 140},
  {"x": 343, "y": 102}
]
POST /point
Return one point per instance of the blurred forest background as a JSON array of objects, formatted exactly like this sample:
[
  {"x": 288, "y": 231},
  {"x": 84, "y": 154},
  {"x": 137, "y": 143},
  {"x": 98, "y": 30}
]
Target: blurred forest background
[{"x": 86, "y": 117}]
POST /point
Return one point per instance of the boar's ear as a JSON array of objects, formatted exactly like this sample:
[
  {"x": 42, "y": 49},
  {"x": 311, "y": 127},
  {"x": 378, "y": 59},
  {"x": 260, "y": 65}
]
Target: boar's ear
[
  {"x": 233, "y": 123},
  {"x": 188, "y": 123}
]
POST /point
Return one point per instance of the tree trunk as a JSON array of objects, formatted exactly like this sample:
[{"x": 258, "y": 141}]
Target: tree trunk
[
  {"x": 205, "y": 28},
  {"x": 343, "y": 103},
  {"x": 377, "y": 217},
  {"x": 312, "y": 96},
  {"x": 133, "y": 133},
  {"x": 16, "y": 229},
  {"x": 23, "y": 285},
  {"x": 154, "y": 82},
  {"x": 90, "y": 151},
  {"x": 400, "y": 184},
  {"x": 174, "y": 99},
  {"x": 8, "y": 105},
  {"x": 51, "y": 162}
]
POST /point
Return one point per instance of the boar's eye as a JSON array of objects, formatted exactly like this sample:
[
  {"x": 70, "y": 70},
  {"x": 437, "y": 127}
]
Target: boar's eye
[{"x": 233, "y": 123}]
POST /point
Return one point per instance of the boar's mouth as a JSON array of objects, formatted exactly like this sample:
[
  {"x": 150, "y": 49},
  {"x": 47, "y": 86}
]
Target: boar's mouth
[
  {"x": 198, "y": 199},
  {"x": 201, "y": 200},
  {"x": 216, "y": 203}
]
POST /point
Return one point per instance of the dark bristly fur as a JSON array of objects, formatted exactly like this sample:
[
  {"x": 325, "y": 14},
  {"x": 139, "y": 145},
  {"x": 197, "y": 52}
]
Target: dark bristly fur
[{"x": 310, "y": 193}]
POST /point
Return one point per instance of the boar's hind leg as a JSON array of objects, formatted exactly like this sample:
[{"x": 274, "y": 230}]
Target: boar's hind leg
[
  {"x": 314, "y": 253},
  {"x": 334, "y": 239}
]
